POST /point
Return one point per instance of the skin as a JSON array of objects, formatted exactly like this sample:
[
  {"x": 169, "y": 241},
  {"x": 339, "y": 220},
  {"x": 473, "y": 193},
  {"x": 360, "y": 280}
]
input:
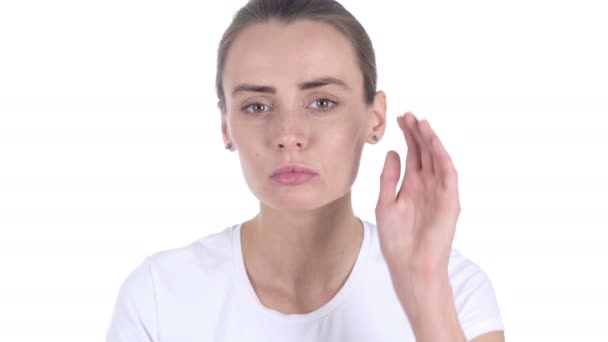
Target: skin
[{"x": 301, "y": 246}]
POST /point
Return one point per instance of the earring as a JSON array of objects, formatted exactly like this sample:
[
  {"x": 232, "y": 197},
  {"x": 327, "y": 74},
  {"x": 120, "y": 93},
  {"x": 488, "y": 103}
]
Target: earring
[
  {"x": 375, "y": 137},
  {"x": 229, "y": 146}
]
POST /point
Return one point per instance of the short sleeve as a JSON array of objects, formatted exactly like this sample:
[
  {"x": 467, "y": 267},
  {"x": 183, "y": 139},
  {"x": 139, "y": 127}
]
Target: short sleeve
[
  {"x": 475, "y": 299},
  {"x": 134, "y": 318}
]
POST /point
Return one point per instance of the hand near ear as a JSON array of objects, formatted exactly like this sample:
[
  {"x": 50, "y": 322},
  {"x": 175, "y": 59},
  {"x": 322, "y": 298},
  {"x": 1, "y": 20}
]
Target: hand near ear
[{"x": 416, "y": 225}]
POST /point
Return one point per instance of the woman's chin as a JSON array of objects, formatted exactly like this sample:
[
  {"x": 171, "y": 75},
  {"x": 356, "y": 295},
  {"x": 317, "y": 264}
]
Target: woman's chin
[
  {"x": 295, "y": 205},
  {"x": 294, "y": 201}
]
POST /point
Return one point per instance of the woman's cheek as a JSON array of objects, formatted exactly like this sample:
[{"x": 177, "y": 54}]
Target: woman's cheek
[
  {"x": 246, "y": 136},
  {"x": 339, "y": 143}
]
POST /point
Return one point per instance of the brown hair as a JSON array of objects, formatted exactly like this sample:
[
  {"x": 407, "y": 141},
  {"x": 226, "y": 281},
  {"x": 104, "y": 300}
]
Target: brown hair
[{"x": 327, "y": 11}]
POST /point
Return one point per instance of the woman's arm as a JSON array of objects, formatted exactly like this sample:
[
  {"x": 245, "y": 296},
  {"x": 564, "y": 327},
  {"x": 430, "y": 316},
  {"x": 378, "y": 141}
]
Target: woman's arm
[
  {"x": 494, "y": 336},
  {"x": 416, "y": 227},
  {"x": 134, "y": 316},
  {"x": 429, "y": 306}
]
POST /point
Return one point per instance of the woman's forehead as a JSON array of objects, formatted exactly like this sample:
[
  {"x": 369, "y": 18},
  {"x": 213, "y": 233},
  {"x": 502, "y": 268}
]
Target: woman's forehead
[{"x": 275, "y": 52}]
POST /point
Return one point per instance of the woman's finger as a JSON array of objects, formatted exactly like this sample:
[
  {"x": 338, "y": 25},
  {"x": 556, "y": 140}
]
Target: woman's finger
[
  {"x": 425, "y": 153},
  {"x": 442, "y": 162},
  {"x": 389, "y": 178},
  {"x": 444, "y": 165},
  {"x": 412, "y": 160}
]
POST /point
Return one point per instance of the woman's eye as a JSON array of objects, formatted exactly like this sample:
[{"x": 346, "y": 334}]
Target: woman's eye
[
  {"x": 255, "y": 108},
  {"x": 324, "y": 104}
]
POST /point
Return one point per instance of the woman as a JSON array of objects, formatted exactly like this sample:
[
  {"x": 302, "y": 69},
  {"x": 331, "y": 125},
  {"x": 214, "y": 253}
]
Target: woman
[{"x": 296, "y": 83}]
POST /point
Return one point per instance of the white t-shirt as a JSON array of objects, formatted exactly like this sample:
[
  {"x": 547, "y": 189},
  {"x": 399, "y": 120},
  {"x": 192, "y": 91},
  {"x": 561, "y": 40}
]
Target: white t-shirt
[{"x": 201, "y": 292}]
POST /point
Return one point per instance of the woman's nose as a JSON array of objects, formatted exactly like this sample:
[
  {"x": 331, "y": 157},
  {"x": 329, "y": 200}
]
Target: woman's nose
[
  {"x": 289, "y": 144},
  {"x": 292, "y": 133}
]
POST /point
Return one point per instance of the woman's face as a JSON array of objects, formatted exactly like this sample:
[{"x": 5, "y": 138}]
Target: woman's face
[{"x": 294, "y": 94}]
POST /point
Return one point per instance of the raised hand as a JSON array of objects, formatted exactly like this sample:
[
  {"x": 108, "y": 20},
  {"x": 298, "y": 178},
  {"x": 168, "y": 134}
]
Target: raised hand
[{"x": 416, "y": 226}]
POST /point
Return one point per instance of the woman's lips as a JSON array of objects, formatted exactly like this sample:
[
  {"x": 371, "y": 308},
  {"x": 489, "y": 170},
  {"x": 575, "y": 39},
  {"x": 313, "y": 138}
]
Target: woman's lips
[
  {"x": 292, "y": 174},
  {"x": 293, "y": 178}
]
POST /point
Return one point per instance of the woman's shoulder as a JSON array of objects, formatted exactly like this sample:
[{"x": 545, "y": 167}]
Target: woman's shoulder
[
  {"x": 460, "y": 267},
  {"x": 206, "y": 252},
  {"x": 465, "y": 274},
  {"x": 474, "y": 297},
  {"x": 464, "y": 271},
  {"x": 171, "y": 278}
]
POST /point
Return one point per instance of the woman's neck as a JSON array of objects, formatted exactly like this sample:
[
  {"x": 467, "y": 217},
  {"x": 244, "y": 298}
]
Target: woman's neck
[{"x": 302, "y": 254}]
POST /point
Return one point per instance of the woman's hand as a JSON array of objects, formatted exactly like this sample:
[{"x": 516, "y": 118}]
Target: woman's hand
[
  {"x": 417, "y": 225},
  {"x": 416, "y": 228}
]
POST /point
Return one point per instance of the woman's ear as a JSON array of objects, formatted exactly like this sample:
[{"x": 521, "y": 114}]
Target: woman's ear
[
  {"x": 221, "y": 107},
  {"x": 377, "y": 118},
  {"x": 225, "y": 131}
]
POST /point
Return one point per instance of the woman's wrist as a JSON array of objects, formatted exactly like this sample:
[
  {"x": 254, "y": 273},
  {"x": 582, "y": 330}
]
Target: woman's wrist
[{"x": 428, "y": 302}]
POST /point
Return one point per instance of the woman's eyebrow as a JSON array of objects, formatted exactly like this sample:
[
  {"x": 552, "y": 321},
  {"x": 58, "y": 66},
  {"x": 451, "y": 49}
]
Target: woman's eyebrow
[
  {"x": 322, "y": 82},
  {"x": 254, "y": 88},
  {"x": 319, "y": 82}
]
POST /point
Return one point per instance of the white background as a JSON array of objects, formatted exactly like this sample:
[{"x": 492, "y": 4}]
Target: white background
[{"x": 111, "y": 149}]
